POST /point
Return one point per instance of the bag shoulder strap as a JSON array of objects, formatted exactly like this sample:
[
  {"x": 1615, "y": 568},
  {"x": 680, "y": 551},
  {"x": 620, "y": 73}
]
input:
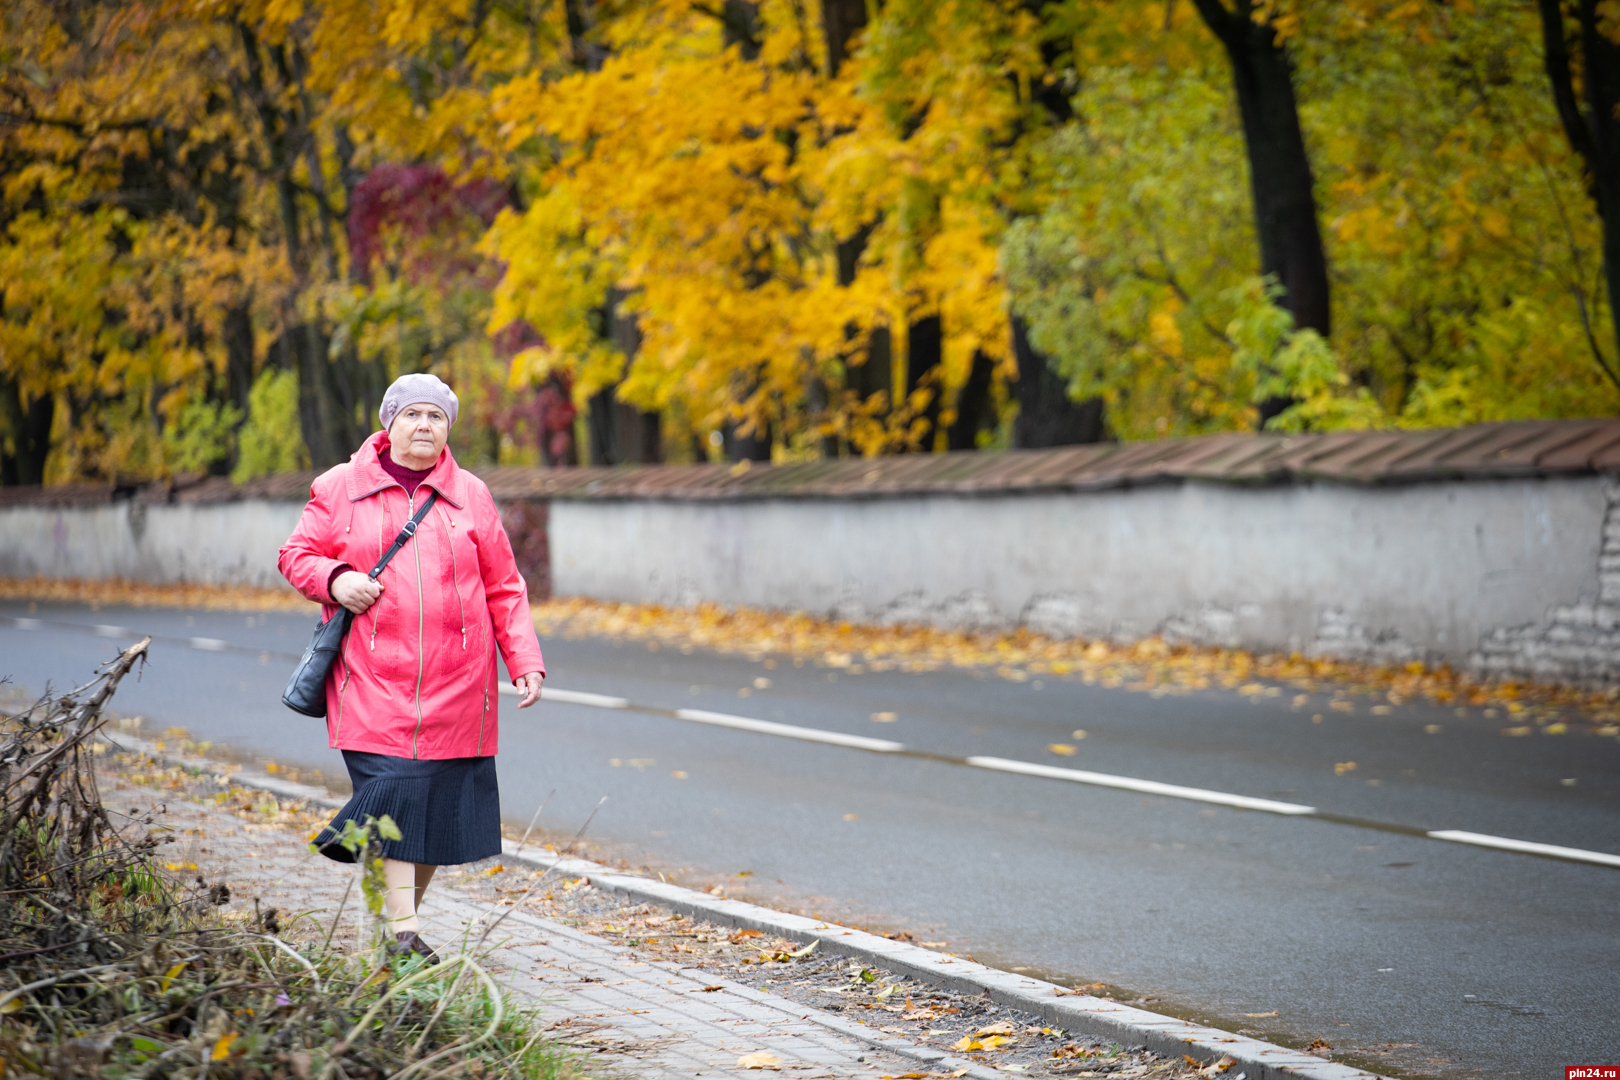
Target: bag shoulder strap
[{"x": 405, "y": 534}]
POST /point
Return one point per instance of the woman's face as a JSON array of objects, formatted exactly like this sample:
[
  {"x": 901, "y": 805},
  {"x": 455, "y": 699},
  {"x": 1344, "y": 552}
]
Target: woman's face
[{"x": 418, "y": 434}]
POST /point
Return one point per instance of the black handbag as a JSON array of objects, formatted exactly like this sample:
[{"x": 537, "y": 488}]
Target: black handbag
[{"x": 306, "y": 690}]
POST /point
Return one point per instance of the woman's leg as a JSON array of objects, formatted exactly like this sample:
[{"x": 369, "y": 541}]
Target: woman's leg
[
  {"x": 399, "y": 902},
  {"x": 424, "y": 874}
]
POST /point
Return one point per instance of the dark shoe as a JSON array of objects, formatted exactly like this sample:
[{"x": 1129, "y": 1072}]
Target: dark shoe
[{"x": 409, "y": 941}]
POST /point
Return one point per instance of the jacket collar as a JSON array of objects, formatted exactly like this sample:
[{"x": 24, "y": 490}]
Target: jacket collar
[{"x": 367, "y": 477}]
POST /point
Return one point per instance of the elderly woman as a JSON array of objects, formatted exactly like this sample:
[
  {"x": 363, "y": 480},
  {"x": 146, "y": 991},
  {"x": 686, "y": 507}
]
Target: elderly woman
[{"x": 412, "y": 700}]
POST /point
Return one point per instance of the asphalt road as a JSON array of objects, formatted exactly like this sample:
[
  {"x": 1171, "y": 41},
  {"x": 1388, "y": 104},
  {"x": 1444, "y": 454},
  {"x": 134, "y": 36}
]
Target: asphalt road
[{"x": 1428, "y": 956}]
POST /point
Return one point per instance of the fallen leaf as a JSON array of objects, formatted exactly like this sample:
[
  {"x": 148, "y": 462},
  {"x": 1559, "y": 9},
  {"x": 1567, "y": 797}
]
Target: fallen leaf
[
  {"x": 1318, "y": 1046},
  {"x": 1003, "y": 1028},
  {"x": 1062, "y": 749},
  {"x": 995, "y": 1042},
  {"x": 678, "y": 774},
  {"x": 743, "y": 935},
  {"x": 806, "y": 950},
  {"x": 1343, "y": 767},
  {"x": 1273, "y": 1012},
  {"x": 222, "y": 1048},
  {"x": 885, "y": 717},
  {"x": 1518, "y": 731},
  {"x": 11, "y": 1006},
  {"x": 710, "y": 989},
  {"x": 1078, "y": 733},
  {"x": 168, "y": 977},
  {"x": 761, "y": 1060},
  {"x": 852, "y": 817},
  {"x": 967, "y": 1042},
  {"x": 495, "y": 869}
]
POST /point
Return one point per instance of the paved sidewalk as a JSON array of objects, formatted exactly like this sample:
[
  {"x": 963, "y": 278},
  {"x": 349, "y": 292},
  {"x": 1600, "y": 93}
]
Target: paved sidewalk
[
  {"x": 649, "y": 1019},
  {"x": 667, "y": 1020}
]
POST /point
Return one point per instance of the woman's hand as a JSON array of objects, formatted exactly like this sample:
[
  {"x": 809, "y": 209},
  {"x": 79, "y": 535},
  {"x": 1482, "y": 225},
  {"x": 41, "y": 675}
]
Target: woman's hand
[
  {"x": 531, "y": 688},
  {"x": 355, "y": 591}
]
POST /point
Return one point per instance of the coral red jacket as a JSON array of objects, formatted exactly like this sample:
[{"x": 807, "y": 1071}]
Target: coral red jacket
[{"x": 417, "y": 677}]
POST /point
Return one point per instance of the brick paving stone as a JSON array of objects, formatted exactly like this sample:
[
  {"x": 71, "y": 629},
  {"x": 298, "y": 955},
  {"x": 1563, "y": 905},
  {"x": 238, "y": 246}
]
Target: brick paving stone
[{"x": 648, "y": 1019}]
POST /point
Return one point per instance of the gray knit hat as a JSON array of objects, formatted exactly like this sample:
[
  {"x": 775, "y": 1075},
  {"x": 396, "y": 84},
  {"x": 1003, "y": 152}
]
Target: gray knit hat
[{"x": 417, "y": 389}]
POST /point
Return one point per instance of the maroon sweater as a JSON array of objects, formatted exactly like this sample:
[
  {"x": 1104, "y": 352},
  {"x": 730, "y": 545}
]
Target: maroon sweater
[{"x": 410, "y": 479}]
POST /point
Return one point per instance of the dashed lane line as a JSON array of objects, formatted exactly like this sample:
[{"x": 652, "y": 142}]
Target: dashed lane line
[
  {"x": 789, "y": 731},
  {"x": 993, "y": 764},
  {"x": 1526, "y": 847},
  {"x": 1146, "y": 787}
]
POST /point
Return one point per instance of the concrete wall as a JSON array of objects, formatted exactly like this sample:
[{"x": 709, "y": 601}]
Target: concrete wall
[
  {"x": 1385, "y": 573},
  {"x": 1514, "y": 577},
  {"x": 216, "y": 543}
]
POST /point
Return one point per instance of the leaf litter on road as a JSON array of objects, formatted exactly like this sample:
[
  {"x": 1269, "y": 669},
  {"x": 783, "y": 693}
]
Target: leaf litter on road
[{"x": 1150, "y": 665}]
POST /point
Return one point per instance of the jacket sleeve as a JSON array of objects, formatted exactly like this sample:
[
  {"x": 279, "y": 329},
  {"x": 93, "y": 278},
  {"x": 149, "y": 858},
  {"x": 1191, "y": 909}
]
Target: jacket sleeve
[
  {"x": 306, "y": 558},
  {"x": 505, "y": 590}
]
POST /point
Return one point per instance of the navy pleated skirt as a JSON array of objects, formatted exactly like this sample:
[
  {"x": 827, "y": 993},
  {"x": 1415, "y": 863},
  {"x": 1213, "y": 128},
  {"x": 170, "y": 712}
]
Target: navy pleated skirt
[{"x": 448, "y": 811}]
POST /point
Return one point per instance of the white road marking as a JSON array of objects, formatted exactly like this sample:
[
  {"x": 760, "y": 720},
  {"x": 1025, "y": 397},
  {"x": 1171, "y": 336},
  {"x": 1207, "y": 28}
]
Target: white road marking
[
  {"x": 1146, "y": 787},
  {"x": 571, "y": 697},
  {"x": 995, "y": 764},
  {"x": 1502, "y": 843},
  {"x": 788, "y": 731}
]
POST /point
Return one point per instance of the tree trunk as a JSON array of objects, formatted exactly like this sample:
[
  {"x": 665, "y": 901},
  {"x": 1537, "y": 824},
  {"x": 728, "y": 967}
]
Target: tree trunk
[
  {"x": 1593, "y": 131},
  {"x": 1279, "y": 169},
  {"x": 1046, "y": 415},
  {"x": 755, "y": 446},
  {"x": 326, "y": 396},
  {"x": 925, "y": 344},
  {"x": 30, "y": 430},
  {"x": 877, "y": 371},
  {"x": 972, "y": 405},
  {"x": 602, "y": 429},
  {"x": 841, "y": 20},
  {"x": 621, "y": 433},
  {"x": 741, "y": 27}
]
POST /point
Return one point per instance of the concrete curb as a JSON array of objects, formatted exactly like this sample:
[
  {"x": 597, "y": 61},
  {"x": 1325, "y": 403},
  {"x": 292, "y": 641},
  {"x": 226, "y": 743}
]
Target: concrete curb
[
  {"x": 1252, "y": 1058},
  {"x": 1060, "y": 1007}
]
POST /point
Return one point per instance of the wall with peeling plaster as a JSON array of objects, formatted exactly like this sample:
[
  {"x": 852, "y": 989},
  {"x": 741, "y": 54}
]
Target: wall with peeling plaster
[
  {"x": 1486, "y": 571},
  {"x": 1515, "y": 577},
  {"x": 213, "y": 543}
]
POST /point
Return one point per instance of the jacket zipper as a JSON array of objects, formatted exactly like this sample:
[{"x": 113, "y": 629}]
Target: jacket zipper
[
  {"x": 481, "y": 718},
  {"x": 455, "y": 580},
  {"x": 337, "y": 728},
  {"x": 416, "y": 549},
  {"x": 375, "y": 621}
]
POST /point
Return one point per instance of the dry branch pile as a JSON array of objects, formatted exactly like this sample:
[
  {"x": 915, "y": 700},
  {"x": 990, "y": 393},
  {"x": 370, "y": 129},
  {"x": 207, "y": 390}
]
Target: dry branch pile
[{"x": 111, "y": 968}]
